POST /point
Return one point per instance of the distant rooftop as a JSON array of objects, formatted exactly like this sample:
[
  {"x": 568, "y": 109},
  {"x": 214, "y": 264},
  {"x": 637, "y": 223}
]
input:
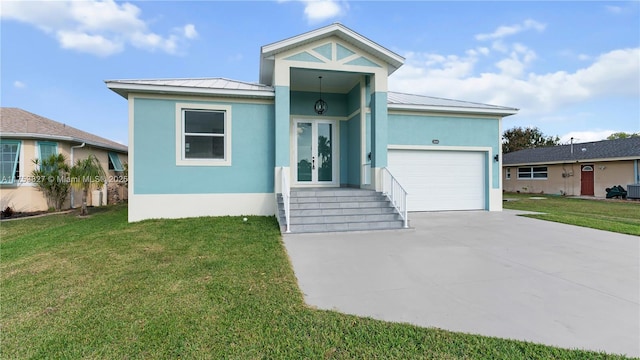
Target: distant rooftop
[
  {"x": 18, "y": 123},
  {"x": 597, "y": 150}
]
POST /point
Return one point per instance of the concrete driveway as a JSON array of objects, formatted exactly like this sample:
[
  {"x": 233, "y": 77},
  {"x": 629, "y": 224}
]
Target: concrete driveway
[{"x": 489, "y": 273}]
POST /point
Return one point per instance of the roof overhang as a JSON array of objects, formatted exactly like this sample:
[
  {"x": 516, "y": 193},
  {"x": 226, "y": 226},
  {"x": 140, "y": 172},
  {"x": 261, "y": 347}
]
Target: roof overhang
[
  {"x": 123, "y": 88},
  {"x": 34, "y": 136},
  {"x": 268, "y": 52},
  {"x": 501, "y": 112}
]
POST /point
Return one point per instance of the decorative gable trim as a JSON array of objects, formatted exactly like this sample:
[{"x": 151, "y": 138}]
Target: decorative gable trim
[
  {"x": 304, "y": 56},
  {"x": 362, "y": 61},
  {"x": 325, "y": 51},
  {"x": 343, "y": 52},
  {"x": 333, "y": 53}
]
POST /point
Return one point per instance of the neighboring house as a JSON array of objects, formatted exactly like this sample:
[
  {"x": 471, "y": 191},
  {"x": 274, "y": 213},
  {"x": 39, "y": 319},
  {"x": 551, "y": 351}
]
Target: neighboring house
[
  {"x": 578, "y": 169},
  {"x": 214, "y": 146},
  {"x": 25, "y": 136}
]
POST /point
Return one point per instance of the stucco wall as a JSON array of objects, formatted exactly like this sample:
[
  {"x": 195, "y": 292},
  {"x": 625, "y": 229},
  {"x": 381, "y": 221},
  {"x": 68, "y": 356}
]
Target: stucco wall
[
  {"x": 252, "y": 151},
  {"x": 565, "y": 178}
]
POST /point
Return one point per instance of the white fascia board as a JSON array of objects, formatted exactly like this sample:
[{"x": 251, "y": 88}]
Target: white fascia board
[
  {"x": 453, "y": 109},
  {"x": 34, "y": 136},
  {"x": 124, "y": 88}
]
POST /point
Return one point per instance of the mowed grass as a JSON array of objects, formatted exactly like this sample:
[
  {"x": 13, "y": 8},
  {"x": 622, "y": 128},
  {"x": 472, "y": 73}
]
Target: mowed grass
[
  {"x": 201, "y": 288},
  {"x": 621, "y": 216}
]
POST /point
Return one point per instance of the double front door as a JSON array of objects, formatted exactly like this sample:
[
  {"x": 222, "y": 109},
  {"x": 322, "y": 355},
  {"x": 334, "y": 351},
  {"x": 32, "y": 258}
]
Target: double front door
[{"x": 315, "y": 152}]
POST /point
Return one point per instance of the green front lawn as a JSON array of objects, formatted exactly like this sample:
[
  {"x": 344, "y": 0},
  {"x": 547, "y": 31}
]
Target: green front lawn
[
  {"x": 195, "y": 288},
  {"x": 621, "y": 216}
]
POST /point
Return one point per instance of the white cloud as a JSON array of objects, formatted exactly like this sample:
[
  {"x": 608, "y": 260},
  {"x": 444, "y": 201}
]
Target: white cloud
[
  {"x": 190, "y": 31},
  {"x": 614, "y": 9},
  {"x": 96, "y": 27},
  {"x": 19, "y": 84},
  {"x": 586, "y": 136},
  {"x": 93, "y": 44},
  {"x": 615, "y": 73},
  {"x": 508, "y": 30},
  {"x": 319, "y": 10}
]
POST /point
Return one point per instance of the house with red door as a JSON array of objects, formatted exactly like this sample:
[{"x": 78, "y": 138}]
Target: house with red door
[{"x": 586, "y": 169}]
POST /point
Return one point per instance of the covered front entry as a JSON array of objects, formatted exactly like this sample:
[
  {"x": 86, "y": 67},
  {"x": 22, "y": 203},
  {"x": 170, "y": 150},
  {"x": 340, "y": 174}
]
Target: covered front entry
[
  {"x": 315, "y": 152},
  {"x": 441, "y": 180}
]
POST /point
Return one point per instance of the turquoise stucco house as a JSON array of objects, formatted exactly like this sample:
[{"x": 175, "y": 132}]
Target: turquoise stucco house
[{"x": 320, "y": 117}]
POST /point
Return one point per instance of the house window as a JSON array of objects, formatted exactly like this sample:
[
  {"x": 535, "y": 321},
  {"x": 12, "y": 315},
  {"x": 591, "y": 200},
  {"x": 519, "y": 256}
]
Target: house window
[
  {"x": 9, "y": 161},
  {"x": 532, "y": 172},
  {"x": 508, "y": 174},
  {"x": 46, "y": 149},
  {"x": 204, "y": 135},
  {"x": 114, "y": 162}
]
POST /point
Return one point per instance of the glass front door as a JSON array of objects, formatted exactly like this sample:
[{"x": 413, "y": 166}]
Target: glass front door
[{"x": 315, "y": 151}]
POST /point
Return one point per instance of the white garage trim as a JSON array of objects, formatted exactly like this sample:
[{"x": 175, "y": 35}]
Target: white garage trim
[{"x": 441, "y": 178}]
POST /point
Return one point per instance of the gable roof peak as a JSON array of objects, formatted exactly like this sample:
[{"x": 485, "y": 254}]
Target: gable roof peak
[{"x": 267, "y": 52}]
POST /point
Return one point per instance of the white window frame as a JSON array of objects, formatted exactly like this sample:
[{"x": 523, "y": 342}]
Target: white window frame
[
  {"x": 507, "y": 175},
  {"x": 532, "y": 172},
  {"x": 181, "y": 160}
]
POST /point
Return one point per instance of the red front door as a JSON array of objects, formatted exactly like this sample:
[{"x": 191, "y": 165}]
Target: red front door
[{"x": 586, "y": 180}]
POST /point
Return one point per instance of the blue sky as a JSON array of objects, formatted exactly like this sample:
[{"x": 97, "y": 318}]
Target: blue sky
[{"x": 573, "y": 68}]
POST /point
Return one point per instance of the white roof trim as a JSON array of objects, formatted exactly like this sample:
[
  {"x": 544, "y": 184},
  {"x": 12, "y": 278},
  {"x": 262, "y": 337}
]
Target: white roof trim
[
  {"x": 35, "y": 136},
  {"x": 267, "y": 52},
  {"x": 123, "y": 88},
  {"x": 456, "y": 109}
]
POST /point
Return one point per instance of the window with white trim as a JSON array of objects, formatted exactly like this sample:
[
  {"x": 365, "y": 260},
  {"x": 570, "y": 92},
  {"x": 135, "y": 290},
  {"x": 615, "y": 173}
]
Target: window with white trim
[
  {"x": 508, "y": 174},
  {"x": 532, "y": 172},
  {"x": 9, "y": 161},
  {"x": 204, "y": 135}
]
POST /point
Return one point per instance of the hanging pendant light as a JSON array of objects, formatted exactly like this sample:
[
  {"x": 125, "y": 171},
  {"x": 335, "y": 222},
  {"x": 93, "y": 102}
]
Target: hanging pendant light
[{"x": 320, "y": 106}]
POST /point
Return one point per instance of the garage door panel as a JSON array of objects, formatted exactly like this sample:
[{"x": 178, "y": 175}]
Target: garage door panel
[{"x": 440, "y": 180}]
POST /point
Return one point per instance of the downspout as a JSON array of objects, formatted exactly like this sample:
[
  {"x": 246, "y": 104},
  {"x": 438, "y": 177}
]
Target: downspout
[
  {"x": 74, "y": 147},
  {"x": 636, "y": 171}
]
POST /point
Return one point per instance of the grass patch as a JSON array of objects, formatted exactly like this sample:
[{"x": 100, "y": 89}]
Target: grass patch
[
  {"x": 193, "y": 288},
  {"x": 611, "y": 215}
]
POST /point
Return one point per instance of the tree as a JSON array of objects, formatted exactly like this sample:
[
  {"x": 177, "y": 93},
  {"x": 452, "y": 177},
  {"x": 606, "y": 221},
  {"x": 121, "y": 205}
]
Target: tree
[
  {"x": 622, "y": 135},
  {"x": 85, "y": 175},
  {"x": 520, "y": 138},
  {"x": 51, "y": 176}
]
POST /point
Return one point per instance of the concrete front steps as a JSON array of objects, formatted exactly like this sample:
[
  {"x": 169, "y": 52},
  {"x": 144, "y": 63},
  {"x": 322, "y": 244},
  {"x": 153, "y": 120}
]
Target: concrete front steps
[{"x": 338, "y": 209}]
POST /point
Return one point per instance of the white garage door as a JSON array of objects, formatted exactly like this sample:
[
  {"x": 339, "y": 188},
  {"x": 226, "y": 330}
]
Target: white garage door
[{"x": 440, "y": 180}]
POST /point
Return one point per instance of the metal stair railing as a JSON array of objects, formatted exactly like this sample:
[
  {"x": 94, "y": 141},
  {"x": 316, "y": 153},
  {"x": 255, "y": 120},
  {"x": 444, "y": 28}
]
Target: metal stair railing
[
  {"x": 396, "y": 194},
  {"x": 286, "y": 195}
]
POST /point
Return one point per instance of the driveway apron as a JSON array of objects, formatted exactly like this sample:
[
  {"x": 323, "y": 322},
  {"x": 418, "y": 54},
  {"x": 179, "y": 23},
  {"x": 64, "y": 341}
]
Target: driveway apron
[{"x": 488, "y": 273}]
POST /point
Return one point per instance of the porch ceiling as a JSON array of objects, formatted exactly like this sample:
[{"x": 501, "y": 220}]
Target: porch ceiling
[{"x": 332, "y": 81}]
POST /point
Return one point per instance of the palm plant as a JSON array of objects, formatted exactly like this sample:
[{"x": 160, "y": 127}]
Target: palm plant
[
  {"x": 85, "y": 175},
  {"x": 50, "y": 176}
]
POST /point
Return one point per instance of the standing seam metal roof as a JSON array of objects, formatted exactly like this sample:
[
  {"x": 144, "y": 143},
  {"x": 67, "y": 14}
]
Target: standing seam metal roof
[{"x": 393, "y": 98}]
